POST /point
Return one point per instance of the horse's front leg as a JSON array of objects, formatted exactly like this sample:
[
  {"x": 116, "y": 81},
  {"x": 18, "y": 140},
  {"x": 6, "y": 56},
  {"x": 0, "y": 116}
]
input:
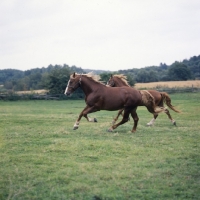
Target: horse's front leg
[
  {"x": 84, "y": 113},
  {"x": 135, "y": 118},
  {"x": 118, "y": 114},
  {"x": 170, "y": 117},
  {"x": 153, "y": 120}
]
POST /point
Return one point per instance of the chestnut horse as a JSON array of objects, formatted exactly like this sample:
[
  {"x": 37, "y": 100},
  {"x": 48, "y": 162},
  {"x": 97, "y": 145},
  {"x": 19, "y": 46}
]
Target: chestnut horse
[
  {"x": 100, "y": 97},
  {"x": 160, "y": 97}
]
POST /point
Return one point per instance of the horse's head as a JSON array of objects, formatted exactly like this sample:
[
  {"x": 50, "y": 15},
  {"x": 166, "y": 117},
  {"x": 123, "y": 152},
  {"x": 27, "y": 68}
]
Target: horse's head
[
  {"x": 111, "y": 81},
  {"x": 73, "y": 83},
  {"x": 117, "y": 80}
]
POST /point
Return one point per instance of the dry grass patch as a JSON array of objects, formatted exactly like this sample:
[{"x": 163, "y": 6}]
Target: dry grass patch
[
  {"x": 32, "y": 92},
  {"x": 169, "y": 84}
]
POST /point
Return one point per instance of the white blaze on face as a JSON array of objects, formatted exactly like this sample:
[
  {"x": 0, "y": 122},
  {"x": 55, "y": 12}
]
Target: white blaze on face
[{"x": 67, "y": 87}]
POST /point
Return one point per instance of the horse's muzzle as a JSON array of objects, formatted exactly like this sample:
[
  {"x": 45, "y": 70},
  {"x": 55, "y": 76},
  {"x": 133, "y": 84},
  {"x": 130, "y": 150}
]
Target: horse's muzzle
[{"x": 68, "y": 93}]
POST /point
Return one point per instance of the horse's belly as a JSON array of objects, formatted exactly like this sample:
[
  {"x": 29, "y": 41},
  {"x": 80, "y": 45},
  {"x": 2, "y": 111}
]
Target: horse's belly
[{"x": 112, "y": 107}]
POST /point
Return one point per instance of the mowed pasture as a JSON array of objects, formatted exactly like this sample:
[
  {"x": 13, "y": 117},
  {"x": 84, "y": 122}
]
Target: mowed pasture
[{"x": 42, "y": 157}]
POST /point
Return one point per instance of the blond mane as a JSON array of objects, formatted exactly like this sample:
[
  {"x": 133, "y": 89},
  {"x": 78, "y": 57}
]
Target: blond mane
[
  {"x": 95, "y": 77},
  {"x": 91, "y": 75},
  {"x": 122, "y": 77}
]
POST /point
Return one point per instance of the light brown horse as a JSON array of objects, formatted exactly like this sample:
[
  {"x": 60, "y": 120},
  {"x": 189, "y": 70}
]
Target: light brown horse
[
  {"x": 160, "y": 98},
  {"x": 100, "y": 97}
]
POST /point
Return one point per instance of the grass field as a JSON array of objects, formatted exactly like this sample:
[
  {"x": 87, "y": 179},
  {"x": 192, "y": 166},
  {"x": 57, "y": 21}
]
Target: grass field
[{"x": 43, "y": 158}]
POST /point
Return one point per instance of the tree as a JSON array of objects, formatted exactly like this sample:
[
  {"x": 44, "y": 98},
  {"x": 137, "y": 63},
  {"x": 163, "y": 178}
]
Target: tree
[
  {"x": 8, "y": 85},
  {"x": 153, "y": 76},
  {"x": 179, "y": 72},
  {"x": 163, "y": 66},
  {"x": 130, "y": 79},
  {"x": 105, "y": 77},
  {"x": 57, "y": 80},
  {"x": 35, "y": 79},
  {"x": 142, "y": 76}
]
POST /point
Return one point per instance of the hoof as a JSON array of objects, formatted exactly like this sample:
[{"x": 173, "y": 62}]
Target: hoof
[
  {"x": 110, "y": 130},
  {"x": 174, "y": 123},
  {"x": 148, "y": 124},
  {"x": 95, "y": 120},
  {"x": 75, "y": 127}
]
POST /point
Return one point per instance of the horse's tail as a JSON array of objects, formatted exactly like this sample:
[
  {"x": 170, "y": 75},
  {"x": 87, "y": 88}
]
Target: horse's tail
[
  {"x": 149, "y": 101},
  {"x": 167, "y": 101}
]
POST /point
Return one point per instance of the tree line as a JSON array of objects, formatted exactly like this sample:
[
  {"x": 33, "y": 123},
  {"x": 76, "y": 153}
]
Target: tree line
[
  {"x": 54, "y": 78},
  {"x": 178, "y": 71}
]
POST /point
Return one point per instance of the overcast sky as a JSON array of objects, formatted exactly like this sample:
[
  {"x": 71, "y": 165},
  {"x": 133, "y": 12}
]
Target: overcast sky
[{"x": 98, "y": 34}]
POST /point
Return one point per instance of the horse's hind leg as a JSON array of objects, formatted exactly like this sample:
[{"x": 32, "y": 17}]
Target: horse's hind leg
[
  {"x": 161, "y": 104},
  {"x": 156, "y": 115},
  {"x": 170, "y": 117},
  {"x": 118, "y": 114},
  {"x": 124, "y": 120}
]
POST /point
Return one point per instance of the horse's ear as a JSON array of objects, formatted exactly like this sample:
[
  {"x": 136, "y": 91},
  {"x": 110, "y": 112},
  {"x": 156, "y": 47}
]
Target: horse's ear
[
  {"x": 74, "y": 75},
  {"x": 111, "y": 76}
]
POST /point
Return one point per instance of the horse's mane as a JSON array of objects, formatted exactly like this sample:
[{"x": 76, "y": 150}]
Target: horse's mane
[
  {"x": 93, "y": 76},
  {"x": 122, "y": 77}
]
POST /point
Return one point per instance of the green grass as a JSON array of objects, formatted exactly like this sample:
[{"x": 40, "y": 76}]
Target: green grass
[{"x": 41, "y": 157}]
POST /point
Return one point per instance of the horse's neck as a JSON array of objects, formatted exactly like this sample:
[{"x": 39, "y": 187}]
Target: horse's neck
[
  {"x": 88, "y": 85},
  {"x": 120, "y": 83}
]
